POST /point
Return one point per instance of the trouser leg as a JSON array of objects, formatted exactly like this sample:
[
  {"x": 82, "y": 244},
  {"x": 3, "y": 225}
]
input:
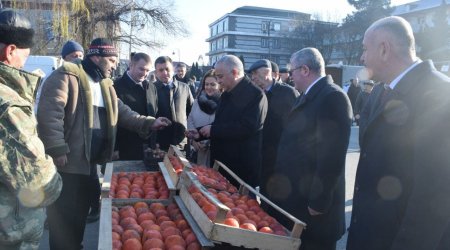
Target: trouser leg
[{"x": 67, "y": 216}]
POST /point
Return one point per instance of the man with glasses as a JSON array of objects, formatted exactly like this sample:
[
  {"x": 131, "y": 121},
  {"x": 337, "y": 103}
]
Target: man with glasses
[{"x": 309, "y": 172}]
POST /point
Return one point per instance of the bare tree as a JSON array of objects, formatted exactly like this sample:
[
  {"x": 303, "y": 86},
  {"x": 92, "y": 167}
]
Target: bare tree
[{"x": 138, "y": 22}]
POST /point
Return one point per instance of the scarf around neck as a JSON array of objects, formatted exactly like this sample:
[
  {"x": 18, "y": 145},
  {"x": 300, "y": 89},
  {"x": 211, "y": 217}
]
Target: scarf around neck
[
  {"x": 92, "y": 70},
  {"x": 208, "y": 104}
]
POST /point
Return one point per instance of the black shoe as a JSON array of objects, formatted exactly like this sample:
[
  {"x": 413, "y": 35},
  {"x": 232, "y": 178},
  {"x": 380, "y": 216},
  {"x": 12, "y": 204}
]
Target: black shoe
[{"x": 93, "y": 217}]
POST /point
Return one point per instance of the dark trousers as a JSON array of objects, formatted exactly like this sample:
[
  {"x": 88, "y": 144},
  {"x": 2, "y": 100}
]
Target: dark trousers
[
  {"x": 95, "y": 191},
  {"x": 317, "y": 245},
  {"x": 67, "y": 216}
]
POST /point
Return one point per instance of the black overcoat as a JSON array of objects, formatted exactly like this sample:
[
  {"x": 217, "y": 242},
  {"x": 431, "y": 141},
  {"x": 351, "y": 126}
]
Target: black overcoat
[
  {"x": 236, "y": 133},
  {"x": 401, "y": 196},
  {"x": 142, "y": 100},
  {"x": 310, "y": 166},
  {"x": 280, "y": 98}
]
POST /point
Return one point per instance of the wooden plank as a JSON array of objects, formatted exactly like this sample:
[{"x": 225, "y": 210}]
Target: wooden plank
[
  {"x": 204, "y": 223},
  {"x": 166, "y": 176},
  {"x": 289, "y": 216},
  {"x": 204, "y": 241},
  {"x": 106, "y": 184},
  {"x": 252, "y": 239},
  {"x": 105, "y": 228},
  {"x": 170, "y": 170}
]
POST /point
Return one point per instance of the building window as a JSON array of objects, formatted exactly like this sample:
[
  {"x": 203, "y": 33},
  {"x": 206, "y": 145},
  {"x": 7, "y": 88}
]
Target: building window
[
  {"x": 264, "y": 42},
  {"x": 265, "y": 26},
  {"x": 276, "y": 26},
  {"x": 275, "y": 43},
  {"x": 220, "y": 44},
  {"x": 225, "y": 42}
]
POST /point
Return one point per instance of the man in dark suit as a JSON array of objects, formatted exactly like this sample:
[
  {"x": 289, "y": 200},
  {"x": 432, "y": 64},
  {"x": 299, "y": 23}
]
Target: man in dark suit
[
  {"x": 309, "y": 174},
  {"x": 174, "y": 102},
  {"x": 135, "y": 91},
  {"x": 280, "y": 99},
  {"x": 236, "y": 133},
  {"x": 401, "y": 196}
]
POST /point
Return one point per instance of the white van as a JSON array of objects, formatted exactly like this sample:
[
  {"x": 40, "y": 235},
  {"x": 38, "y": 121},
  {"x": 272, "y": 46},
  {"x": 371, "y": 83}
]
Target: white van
[{"x": 44, "y": 64}]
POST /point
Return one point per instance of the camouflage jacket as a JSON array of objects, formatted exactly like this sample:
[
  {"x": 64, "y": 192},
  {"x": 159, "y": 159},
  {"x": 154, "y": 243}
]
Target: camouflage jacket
[{"x": 28, "y": 177}]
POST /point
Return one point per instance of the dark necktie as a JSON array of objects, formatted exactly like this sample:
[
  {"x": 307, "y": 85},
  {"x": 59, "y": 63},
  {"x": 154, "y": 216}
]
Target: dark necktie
[{"x": 384, "y": 96}]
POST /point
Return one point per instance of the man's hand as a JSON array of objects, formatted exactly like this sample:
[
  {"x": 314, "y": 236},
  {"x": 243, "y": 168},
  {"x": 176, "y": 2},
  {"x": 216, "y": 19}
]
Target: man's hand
[
  {"x": 60, "y": 161},
  {"x": 192, "y": 134},
  {"x": 313, "y": 212},
  {"x": 160, "y": 123},
  {"x": 206, "y": 131}
]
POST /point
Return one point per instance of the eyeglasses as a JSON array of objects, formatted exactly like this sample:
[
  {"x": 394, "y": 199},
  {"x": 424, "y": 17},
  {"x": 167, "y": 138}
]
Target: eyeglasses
[{"x": 294, "y": 69}]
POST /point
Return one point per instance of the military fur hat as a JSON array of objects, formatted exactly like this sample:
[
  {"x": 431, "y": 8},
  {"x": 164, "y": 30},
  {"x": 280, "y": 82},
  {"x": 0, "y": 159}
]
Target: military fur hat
[{"x": 15, "y": 29}]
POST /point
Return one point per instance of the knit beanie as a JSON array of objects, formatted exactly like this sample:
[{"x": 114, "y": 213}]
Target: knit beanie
[
  {"x": 69, "y": 47},
  {"x": 101, "y": 47},
  {"x": 15, "y": 29}
]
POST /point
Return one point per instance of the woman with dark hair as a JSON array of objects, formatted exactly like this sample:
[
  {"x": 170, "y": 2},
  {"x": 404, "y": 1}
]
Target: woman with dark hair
[{"x": 203, "y": 113}]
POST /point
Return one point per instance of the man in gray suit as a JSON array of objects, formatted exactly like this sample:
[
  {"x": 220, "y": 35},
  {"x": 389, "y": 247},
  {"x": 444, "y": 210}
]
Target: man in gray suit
[{"x": 174, "y": 102}]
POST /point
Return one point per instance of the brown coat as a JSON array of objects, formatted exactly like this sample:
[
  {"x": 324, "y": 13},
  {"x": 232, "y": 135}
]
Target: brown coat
[{"x": 65, "y": 117}]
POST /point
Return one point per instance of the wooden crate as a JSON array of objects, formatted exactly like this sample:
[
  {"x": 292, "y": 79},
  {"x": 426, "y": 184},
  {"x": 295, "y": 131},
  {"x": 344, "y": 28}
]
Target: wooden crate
[
  {"x": 167, "y": 168},
  {"x": 216, "y": 231},
  {"x": 105, "y": 228},
  {"x": 128, "y": 166}
]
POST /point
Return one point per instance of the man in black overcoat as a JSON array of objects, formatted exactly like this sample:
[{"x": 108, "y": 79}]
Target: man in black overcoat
[
  {"x": 401, "y": 196},
  {"x": 280, "y": 99},
  {"x": 135, "y": 91},
  {"x": 236, "y": 133},
  {"x": 309, "y": 180}
]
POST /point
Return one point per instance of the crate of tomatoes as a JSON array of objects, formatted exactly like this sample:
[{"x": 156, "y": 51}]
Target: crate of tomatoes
[
  {"x": 228, "y": 214},
  {"x": 147, "y": 225},
  {"x": 133, "y": 183}
]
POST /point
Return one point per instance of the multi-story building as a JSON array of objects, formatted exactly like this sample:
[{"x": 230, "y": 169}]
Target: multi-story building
[
  {"x": 420, "y": 14},
  {"x": 253, "y": 33},
  {"x": 423, "y": 14}
]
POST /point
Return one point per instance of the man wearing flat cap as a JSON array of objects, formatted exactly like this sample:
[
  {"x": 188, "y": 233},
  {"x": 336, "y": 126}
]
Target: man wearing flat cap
[
  {"x": 28, "y": 177},
  {"x": 285, "y": 76},
  {"x": 78, "y": 117},
  {"x": 280, "y": 99}
]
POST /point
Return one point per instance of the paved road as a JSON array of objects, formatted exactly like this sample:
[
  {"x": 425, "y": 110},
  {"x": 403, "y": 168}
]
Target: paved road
[{"x": 91, "y": 233}]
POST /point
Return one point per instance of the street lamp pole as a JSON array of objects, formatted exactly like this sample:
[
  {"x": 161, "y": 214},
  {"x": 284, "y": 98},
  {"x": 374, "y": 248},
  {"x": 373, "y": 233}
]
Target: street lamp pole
[
  {"x": 131, "y": 27},
  {"x": 268, "y": 38}
]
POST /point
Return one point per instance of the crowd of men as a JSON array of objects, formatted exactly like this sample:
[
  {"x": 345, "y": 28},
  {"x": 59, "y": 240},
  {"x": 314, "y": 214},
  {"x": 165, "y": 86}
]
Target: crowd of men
[{"x": 289, "y": 140}]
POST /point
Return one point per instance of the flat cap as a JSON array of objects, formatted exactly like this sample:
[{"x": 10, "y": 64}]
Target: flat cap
[
  {"x": 260, "y": 64},
  {"x": 275, "y": 67},
  {"x": 284, "y": 70}
]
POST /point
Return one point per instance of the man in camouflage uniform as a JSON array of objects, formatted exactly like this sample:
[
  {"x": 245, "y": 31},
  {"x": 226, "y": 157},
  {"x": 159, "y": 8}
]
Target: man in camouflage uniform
[{"x": 28, "y": 177}]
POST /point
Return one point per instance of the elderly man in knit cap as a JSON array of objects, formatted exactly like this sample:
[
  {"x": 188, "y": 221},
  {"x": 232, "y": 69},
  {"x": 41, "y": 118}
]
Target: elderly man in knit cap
[
  {"x": 72, "y": 51},
  {"x": 28, "y": 177},
  {"x": 78, "y": 116}
]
